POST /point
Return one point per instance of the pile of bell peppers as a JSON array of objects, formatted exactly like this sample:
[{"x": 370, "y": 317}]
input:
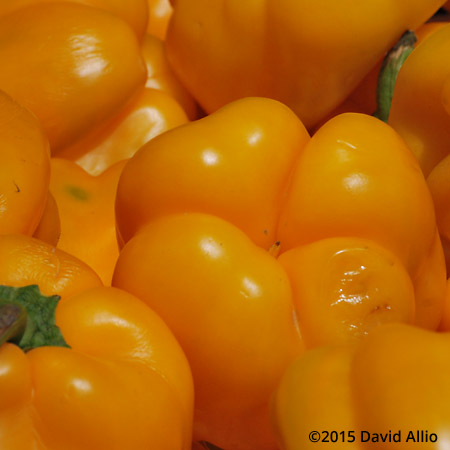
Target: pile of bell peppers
[{"x": 224, "y": 225}]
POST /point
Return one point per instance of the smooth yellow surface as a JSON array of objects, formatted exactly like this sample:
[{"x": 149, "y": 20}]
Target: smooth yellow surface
[
  {"x": 308, "y": 54},
  {"x": 149, "y": 114},
  {"x": 159, "y": 14},
  {"x": 228, "y": 302},
  {"x": 72, "y": 65},
  {"x": 418, "y": 112},
  {"x": 357, "y": 178},
  {"x": 234, "y": 164},
  {"x": 315, "y": 395},
  {"x": 395, "y": 380}
]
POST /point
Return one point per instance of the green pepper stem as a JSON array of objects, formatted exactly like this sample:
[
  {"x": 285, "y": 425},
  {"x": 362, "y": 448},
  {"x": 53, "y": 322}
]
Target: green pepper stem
[
  {"x": 389, "y": 70},
  {"x": 27, "y": 318}
]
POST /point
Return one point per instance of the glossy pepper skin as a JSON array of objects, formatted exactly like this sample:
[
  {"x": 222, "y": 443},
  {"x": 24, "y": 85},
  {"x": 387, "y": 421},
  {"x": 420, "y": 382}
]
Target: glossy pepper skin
[
  {"x": 420, "y": 111},
  {"x": 86, "y": 211},
  {"x": 396, "y": 379},
  {"x": 302, "y": 53},
  {"x": 149, "y": 114},
  {"x": 364, "y": 98},
  {"x": 24, "y": 166},
  {"x": 131, "y": 11},
  {"x": 336, "y": 184},
  {"x": 356, "y": 177},
  {"x": 72, "y": 65},
  {"x": 234, "y": 164},
  {"x": 124, "y": 383},
  {"x": 188, "y": 198},
  {"x": 160, "y": 106},
  {"x": 345, "y": 287},
  {"x": 228, "y": 303},
  {"x": 159, "y": 14}
]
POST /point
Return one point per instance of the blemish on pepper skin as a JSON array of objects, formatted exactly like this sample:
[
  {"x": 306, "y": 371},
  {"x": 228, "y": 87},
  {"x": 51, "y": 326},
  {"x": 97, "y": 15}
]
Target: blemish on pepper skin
[
  {"x": 274, "y": 250},
  {"x": 385, "y": 307},
  {"x": 17, "y": 187},
  {"x": 77, "y": 192}
]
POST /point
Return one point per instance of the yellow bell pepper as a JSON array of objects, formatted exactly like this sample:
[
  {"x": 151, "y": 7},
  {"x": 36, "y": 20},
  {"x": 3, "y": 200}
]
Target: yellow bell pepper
[
  {"x": 308, "y": 54},
  {"x": 124, "y": 383},
  {"x": 348, "y": 210},
  {"x": 390, "y": 391},
  {"x": 419, "y": 110},
  {"x": 72, "y": 65},
  {"x": 163, "y": 104}
]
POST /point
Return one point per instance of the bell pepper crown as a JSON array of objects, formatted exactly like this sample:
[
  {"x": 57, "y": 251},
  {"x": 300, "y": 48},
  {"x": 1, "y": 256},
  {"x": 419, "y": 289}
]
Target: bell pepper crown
[{"x": 27, "y": 318}]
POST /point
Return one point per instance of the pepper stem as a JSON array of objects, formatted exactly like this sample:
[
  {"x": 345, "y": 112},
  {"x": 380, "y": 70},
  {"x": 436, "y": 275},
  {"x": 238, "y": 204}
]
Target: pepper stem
[
  {"x": 27, "y": 318},
  {"x": 389, "y": 70}
]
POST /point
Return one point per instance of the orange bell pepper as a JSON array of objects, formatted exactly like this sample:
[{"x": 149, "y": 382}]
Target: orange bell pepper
[
  {"x": 132, "y": 11},
  {"x": 364, "y": 98},
  {"x": 229, "y": 304},
  {"x": 341, "y": 217},
  {"x": 86, "y": 211},
  {"x": 124, "y": 383},
  {"x": 149, "y": 114},
  {"x": 25, "y": 168},
  {"x": 418, "y": 111},
  {"x": 27, "y": 260},
  {"x": 345, "y": 287},
  {"x": 155, "y": 109},
  {"x": 72, "y": 65},
  {"x": 343, "y": 186},
  {"x": 335, "y": 190},
  {"x": 203, "y": 167},
  {"x": 159, "y": 14},
  {"x": 308, "y": 55},
  {"x": 393, "y": 384}
]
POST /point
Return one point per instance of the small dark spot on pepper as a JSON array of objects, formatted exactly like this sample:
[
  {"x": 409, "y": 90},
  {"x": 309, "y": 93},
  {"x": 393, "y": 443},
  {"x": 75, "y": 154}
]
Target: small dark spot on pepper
[{"x": 77, "y": 192}]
